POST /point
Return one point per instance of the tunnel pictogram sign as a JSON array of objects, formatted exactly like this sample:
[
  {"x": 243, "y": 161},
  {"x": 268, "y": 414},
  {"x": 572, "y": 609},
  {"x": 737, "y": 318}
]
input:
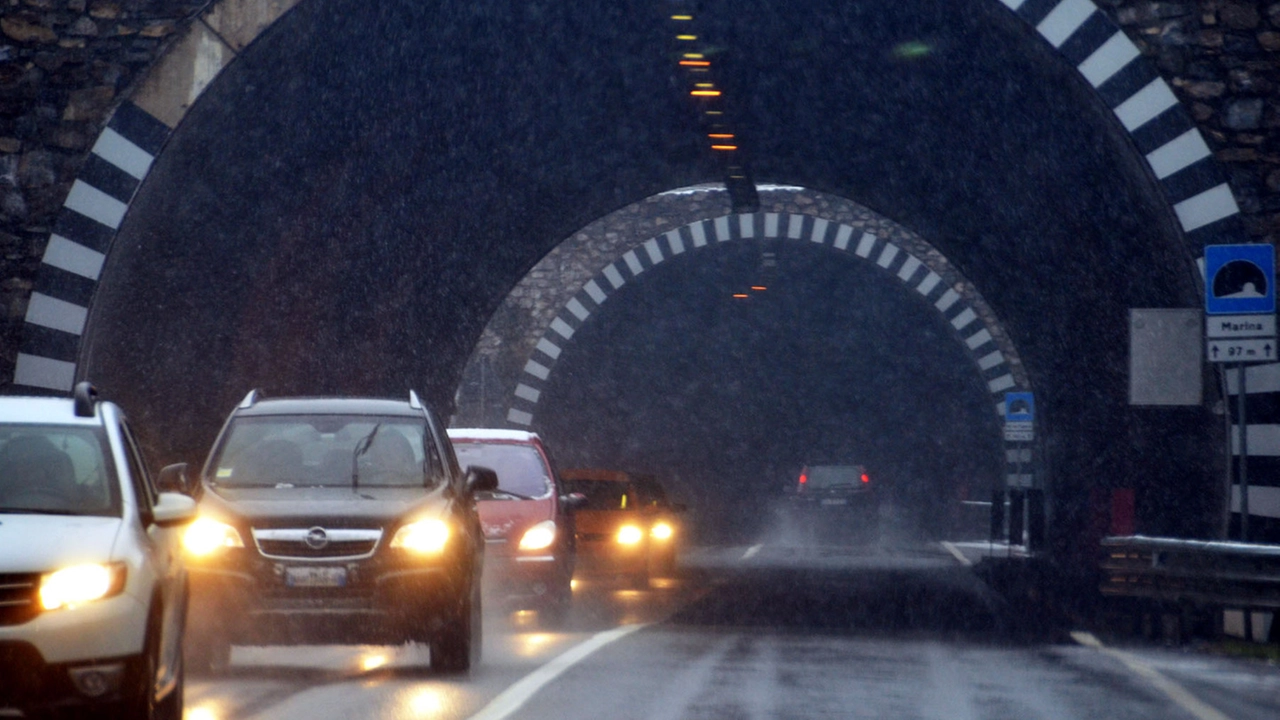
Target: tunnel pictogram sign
[
  {"x": 1239, "y": 279},
  {"x": 1019, "y": 416}
]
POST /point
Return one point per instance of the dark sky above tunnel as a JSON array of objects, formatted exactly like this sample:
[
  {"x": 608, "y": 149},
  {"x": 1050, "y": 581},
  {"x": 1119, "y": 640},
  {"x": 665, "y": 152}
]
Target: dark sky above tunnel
[{"x": 355, "y": 194}]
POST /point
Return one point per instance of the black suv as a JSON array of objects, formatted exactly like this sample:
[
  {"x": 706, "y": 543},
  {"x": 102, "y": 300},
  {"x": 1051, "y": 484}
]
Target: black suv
[
  {"x": 336, "y": 520},
  {"x": 835, "y": 504}
]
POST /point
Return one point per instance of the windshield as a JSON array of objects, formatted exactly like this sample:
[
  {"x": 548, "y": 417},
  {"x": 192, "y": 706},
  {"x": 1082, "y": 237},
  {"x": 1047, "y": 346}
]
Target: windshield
[
  {"x": 324, "y": 450},
  {"x": 603, "y": 494},
  {"x": 56, "y": 469},
  {"x": 520, "y": 468}
]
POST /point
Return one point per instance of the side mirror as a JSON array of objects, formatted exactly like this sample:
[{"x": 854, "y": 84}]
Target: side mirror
[
  {"x": 173, "y": 509},
  {"x": 573, "y": 501},
  {"x": 174, "y": 478},
  {"x": 481, "y": 479}
]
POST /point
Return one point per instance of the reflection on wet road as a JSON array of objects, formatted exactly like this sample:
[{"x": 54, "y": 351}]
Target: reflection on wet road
[{"x": 754, "y": 632}]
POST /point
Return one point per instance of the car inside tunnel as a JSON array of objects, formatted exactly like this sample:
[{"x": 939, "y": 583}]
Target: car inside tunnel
[
  {"x": 352, "y": 198},
  {"x": 728, "y": 392}
]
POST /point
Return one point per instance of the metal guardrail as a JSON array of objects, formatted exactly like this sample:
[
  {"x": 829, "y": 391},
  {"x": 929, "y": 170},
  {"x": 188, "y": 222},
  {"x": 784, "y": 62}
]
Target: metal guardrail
[{"x": 1230, "y": 574}]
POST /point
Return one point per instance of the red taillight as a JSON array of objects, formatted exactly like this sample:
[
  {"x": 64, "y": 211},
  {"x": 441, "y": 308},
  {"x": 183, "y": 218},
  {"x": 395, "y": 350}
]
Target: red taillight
[
  {"x": 865, "y": 478},
  {"x": 803, "y": 479}
]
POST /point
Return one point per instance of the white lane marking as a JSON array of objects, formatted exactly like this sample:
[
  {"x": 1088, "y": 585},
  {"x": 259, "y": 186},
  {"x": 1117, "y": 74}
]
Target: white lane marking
[
  {"x": 514, "y": 697},
  {"x": 751, "y": 551},
  {"x": 1173, "y": 690},
  {"x": 955, "y": 552}
]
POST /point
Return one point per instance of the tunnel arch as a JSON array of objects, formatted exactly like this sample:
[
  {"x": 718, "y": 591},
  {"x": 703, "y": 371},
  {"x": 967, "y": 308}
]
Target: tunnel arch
[
  {"x": 591, "y": 267},
  {"x": 120, "y": 160}
]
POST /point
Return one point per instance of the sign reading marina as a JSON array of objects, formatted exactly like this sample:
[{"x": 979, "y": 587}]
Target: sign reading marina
[
  {"x": 1240, "y": 303},
  {"x": 1019, "y": 417}
]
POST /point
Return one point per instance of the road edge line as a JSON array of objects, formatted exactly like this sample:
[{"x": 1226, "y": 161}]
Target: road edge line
[
  {"x": 1175, "y": 692},
  {"x": 955, "y": 552},
  {"x": 514, "y": 697}
]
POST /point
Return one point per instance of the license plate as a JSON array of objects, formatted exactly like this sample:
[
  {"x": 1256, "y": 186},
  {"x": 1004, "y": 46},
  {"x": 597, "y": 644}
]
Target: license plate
[
  {"x": 835, "y": 501},
  {"x": 315, "y": 577}
]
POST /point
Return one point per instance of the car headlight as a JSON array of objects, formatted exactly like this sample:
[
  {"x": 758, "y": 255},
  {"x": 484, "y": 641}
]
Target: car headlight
[
  {"x": 78, "y": 584},
  {"x": 539, "y": 537},
  {"x": 629, "y": 535},
  {"x": 424, "y": 537},
  {"x": 206, "y": 535},
  {"x": 662, "y": 531}
]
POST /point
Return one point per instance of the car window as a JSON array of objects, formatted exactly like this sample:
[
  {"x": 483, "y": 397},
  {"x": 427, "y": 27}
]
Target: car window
[
  {"x": 325, "y": 450},
  {"x": 603, "y": 494},
  {"x": 56, "y": 469},
  {"x": 520, "y": 468}
]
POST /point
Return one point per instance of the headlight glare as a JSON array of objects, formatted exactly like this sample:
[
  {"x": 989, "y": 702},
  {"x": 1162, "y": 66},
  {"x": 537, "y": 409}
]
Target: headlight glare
[
  {"x": 662, "y": 531},
  {"x": 78, "y": 584},
  {"x": 424, "y": 537},
  {"x": 206, "y": 535},
  {"x": 539, "y": 537},
  {"x": 629, "y": 535}
]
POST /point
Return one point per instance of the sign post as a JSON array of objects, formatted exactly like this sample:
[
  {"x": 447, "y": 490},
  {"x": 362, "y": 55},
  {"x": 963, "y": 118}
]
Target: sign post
[
  {"x": 1240, "y": 328},
  {"x": 1019, "y": 427}
]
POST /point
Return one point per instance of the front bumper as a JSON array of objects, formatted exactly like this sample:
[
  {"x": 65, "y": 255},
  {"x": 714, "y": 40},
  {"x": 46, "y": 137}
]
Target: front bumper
[
  {"x": 29, "y": 683},
  {"x": 605, "y": 557},
  {"x": 112, "y": 627},
  {"x": 524, "y": 580},
  {"x": 380, "y": 604}
]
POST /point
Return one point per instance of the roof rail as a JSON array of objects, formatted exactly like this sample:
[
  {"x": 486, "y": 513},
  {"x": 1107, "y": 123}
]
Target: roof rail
[
  {"x": 86, "y": 397},
  {"x": 250, "y": 399},
  {"x": 414, "y": 401}
]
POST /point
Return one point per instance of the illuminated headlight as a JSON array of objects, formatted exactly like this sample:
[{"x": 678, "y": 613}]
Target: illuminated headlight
[
  {"x": 206, "y": 535},
  {"x": 662, "y": 531},
  {"x": 78, "y": 584},
  {"x": 539, "y": 537},
  {"x": 425, "y": 537},
  {"x": 630, "y": 535}
]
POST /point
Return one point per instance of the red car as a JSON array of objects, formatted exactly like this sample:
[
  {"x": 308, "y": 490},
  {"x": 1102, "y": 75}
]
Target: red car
[{"x": 527, "y": 521}]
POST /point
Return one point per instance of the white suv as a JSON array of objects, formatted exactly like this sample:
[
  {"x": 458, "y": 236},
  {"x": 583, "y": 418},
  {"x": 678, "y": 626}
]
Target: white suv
[{"x": 93, "y": 593}]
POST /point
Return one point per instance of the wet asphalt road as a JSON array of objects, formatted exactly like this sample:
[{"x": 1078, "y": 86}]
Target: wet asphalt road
[{"x": 757, "y": 632}]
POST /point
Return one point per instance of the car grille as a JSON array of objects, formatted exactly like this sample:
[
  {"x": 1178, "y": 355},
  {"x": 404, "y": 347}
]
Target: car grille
[
  {"x": 18, "y": 597},
  {"x": 306, "y": 544}
]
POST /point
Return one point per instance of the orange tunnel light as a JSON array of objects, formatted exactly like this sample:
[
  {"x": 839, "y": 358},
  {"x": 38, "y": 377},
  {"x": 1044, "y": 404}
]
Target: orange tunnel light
[
  {"x": 705, "y": 93},
  {"x": 762, "y": 288},
  {"x": 695, "y": 63},
  {"x": 720, "y": 136},
  {"x": 740, "y": 295},
  {"x": 724, "y": 147}
]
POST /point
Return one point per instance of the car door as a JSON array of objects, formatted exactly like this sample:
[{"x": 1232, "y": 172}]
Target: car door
[{"x": 164, "y": 556}]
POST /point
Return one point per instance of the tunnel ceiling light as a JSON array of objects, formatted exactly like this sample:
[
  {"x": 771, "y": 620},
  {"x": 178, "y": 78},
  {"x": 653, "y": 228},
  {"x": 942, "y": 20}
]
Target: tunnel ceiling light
[
  {"x": 762, "y": 288},
  {"x": 695, "y": 63},
  {"x": 705, "y": 93},
  {"x": 714, "y": 112},
  {"x": 687, "y": 37},
  {"x": 706, "y": 85},
  {"x": 724, "y": 147},
  {"x": 720, "y": 136},
  {"x": 681, "y": 17},
  {"x": 694, "y": 56},
  {"x": 740, "y": 295}
]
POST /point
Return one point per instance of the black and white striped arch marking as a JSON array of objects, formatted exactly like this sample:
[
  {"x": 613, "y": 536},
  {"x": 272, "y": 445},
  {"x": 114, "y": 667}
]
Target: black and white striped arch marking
[
  {"x": 1147, "y": 108},
  {"x": 78, "y": 246},
  {"x": 970, "y": 328}
]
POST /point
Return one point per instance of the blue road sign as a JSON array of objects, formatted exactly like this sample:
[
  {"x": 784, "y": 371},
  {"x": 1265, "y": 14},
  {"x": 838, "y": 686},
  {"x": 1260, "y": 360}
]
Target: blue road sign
[
  {"x": 1239, "y": 279},
  {"x": 1019, "y": 407}
]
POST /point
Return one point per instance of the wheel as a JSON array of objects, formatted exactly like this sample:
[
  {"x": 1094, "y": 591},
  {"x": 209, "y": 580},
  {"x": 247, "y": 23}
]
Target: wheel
[
  {"x": 140, "y": 689},
  {"x": 553, "y": 611},
  {"x": 456, "y": 646}
]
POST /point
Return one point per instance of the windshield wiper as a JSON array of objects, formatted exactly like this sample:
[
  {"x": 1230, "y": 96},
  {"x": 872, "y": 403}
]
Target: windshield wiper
[
  {"x": 362, "y": 447},
  {"x": 516, "y": 495}
]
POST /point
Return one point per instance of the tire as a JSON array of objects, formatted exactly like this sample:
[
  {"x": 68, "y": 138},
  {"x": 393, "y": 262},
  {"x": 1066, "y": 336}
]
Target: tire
[
  {"x": 456, "y": 647},
  {"x": 139, "y": 701}
]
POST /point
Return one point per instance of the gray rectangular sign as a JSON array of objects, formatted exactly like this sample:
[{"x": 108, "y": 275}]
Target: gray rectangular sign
[{"x": 1166, "y": 356}]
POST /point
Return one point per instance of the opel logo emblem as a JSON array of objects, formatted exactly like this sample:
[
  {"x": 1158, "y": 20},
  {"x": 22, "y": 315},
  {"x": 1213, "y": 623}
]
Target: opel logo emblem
[{"x": 317, "y": 538}]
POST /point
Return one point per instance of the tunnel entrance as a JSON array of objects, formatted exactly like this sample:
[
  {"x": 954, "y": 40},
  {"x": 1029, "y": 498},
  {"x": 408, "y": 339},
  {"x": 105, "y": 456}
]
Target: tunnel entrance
[{"x": 726, "y": 353}]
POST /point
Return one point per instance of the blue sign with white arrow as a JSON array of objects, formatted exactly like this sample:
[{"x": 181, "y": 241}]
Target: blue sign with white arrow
[{"x": 1239, "y": 279}]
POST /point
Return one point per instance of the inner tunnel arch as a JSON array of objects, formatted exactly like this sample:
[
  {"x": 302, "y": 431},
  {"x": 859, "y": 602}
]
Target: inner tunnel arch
[{"x": 521, "y": 346}]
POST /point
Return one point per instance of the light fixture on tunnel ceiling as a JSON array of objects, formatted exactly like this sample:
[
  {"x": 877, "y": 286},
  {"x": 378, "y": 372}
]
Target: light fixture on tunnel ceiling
[
  {"x": 741, "y": 296},
  {"x": 687, "y": 38},
  {"x": 759, "y": 288},
  {"x": 682, "y": 17},
  {"x": 696, "y": 63}
]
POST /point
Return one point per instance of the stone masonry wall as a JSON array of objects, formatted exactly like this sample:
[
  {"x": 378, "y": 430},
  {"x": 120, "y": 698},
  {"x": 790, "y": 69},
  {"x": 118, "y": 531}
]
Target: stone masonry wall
[{"x": 64, "y": 67}]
